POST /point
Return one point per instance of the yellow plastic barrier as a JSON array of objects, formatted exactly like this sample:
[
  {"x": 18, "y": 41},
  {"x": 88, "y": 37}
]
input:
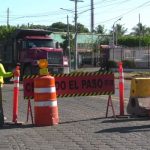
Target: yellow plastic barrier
[
  {"x": 140, "y": 87},
  {"x": 139, "y": 101}
]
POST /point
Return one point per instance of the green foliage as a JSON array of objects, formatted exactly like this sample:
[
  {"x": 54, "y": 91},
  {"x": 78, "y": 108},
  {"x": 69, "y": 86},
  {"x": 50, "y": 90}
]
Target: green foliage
[
  {"x": 59, "y": 26},
  {"x": 6, "y": 31},
  {"x": 100, "y": 29},
  {"x": 128, "y": 64},
  {"x": 133, "y": 41},
  {"x": 112, "y": 64},
  {"x": 65, "y": 44},
  {"x": 140, "y": 29},
  {"x": 120, "y": 29},
  {"x": 32, "y": 26},
  {"x": 82, "y": 28},
  {"x": 140, "y": 34},
  {"x": 130, "y": 41},
  {"x": 125, "y": 63}
]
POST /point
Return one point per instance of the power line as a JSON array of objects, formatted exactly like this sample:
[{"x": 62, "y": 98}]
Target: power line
[
  {"x": 123, "y": 14},
  {"x": 103, "y": 3},
  {"x": 97, "y": 3},
  {"x": 124, "y": 1},
  {"x": 44, "y": 14}
]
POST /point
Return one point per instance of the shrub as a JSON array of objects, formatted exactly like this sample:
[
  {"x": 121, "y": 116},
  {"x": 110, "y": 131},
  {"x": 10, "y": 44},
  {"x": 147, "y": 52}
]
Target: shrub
[
  {"x": 128, "y": 64},
  {"x": 112, "y": 64}
]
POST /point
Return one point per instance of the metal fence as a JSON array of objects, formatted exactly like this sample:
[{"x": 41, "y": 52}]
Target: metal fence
[{"x": 140, "y": 56}]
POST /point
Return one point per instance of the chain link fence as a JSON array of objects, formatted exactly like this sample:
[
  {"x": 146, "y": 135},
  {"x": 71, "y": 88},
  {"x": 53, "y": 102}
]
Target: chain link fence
[{"x": 139, "y": 56}]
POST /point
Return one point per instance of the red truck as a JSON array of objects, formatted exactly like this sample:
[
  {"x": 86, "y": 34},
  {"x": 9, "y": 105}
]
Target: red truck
[{"x": 27, "y": 46}]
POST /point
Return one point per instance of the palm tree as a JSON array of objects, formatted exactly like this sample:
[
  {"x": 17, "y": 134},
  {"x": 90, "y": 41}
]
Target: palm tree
[
  {"x": 140, "y": 30},
  {"x": 119, "y": 31}
]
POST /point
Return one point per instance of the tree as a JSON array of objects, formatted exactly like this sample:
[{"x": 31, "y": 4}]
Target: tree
[
  {"x": 65, "y": 45},
  {"x": 133, "y": 41},
  {"x": 140, "y": 29},
  {"x": 100, "y": 29},
  {"x": 62, "y": 27},
  {"x": 59, "y": 27},
  {"x": 82, "y": 28},
  {"x": 120, "y": 30},
  {"x": 6, "y": 31},
  {"x": 32, "y": 26}
]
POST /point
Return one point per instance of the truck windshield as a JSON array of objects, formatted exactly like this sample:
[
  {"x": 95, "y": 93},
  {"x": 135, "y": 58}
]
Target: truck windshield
[{"x": 39, "y": 43}]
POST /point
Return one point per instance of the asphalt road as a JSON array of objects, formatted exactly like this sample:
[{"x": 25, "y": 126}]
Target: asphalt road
[{"x": 82, "y": 126}]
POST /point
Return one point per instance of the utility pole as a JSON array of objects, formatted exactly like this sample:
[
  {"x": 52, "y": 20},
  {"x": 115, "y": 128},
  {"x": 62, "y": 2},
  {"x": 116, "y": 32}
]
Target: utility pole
[
  {"x": 7, "y": 17},
  {"x": 68, "y": 34},
  {"x": 92, "y": 29},
  {"x": 68, "y": 39},
  {"x": 92, "y": 16},
  {"x": 140, "y": 32},
  {"x": 76, "y": 34}
]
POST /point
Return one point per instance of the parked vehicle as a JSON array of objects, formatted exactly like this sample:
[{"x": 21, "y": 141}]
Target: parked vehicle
[{"x": 27, "y": 47}]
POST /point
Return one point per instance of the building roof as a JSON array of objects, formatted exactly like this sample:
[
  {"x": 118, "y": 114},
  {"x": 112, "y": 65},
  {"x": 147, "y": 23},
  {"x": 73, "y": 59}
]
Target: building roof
[
  {"x": 82, "y": 37},
  {"x": 87, "y": 38},
  {"x": 57, "y": 37}
]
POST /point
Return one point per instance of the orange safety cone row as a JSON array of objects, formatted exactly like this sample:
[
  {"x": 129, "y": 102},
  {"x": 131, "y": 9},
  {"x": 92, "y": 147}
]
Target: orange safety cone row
[
  {"x": 45, "y": 108},
  {"x": 121, "y": 88},
  {"x": 16, "y": 93}
]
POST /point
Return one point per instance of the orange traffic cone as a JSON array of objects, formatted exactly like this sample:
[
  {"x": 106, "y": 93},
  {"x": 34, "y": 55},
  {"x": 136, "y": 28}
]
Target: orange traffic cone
[{"x": 45, "y": 109}]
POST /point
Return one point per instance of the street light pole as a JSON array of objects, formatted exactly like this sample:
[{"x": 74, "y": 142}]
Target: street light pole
[{"x": 114, "y": 30}]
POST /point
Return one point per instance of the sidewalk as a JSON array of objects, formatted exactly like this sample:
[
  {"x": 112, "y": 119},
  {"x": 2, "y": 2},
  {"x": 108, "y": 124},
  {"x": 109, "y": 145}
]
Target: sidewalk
[{"x": 128, "y": 73}]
